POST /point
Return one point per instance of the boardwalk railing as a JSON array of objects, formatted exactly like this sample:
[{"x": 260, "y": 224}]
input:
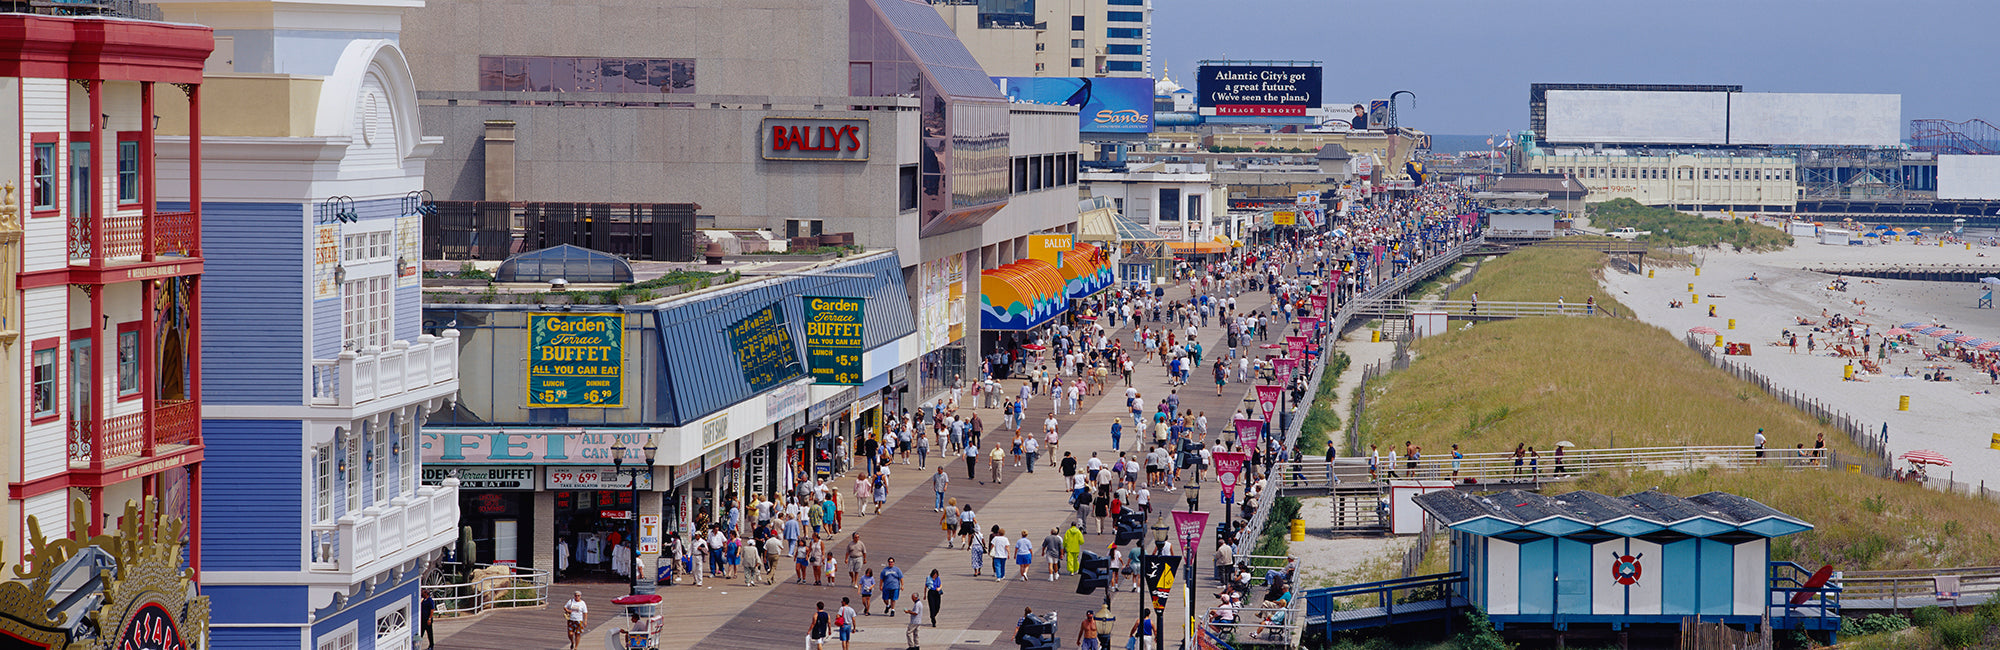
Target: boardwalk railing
[
  {"x": 1484, "y": 308},
  {"x": 1916, "y": 587},
  {"x": 1374, "y": 604},
  {"x": 470, "y": 596},
  {"x": 1820, "y": 610},
  {"x": 1499, "y": 467}
]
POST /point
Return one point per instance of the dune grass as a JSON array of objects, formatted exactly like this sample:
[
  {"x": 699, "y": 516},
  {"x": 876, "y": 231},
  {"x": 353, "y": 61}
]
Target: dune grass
[
  {"x": 1592, "y": 381},
  {"x": 1672, "y": 228},
  {"x": 1541, "y": 275},
  {"x": 1602, "y": 382}
]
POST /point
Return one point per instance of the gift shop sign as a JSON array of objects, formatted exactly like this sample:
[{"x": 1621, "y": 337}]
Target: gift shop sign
[
  {"x": 488, "y": 447},
  {"x": 814, "y": 138}
]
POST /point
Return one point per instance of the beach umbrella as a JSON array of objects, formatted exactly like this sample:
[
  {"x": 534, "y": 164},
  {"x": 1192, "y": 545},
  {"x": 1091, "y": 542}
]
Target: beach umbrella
[
  {"x": 1875, "y": 235},
  {"x": 1882, "y": 227},
  {"x": 1941, "y": 333},
  {"x": 1932, "y": 330},
  {"x": 636, "y": 599},
  {"x": 1952, "y": 338},
  {"x": 1034, "y": 347},
  {"x": 1926, "y": 457},
  {"x": 1989, "y": 345},
  {"x": 1971, "y": 342},
  {"x": 1702, "y": 330},
  {"x": 1990, "y": 280},
  {"x": 1895, "y": 331},
  {"x": 1565, "y": 443},
  {"x": 1911, "y": 325}
]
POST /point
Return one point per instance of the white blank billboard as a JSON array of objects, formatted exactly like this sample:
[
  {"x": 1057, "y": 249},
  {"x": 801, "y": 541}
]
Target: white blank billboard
[
  {"x": 1637, "y": 117},
  {"x": 1973, "y": 178},
  {"x": 1848, "y": 119}
]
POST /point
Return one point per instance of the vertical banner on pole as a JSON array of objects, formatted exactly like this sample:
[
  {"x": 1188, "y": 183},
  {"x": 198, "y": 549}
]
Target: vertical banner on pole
[
  {"x": 1295, "y": 346},
  {"x": 1228, "y": 468},
  {"x": 1267, "y": 399},
  {"x": 1283, "y": 368},
  {"x": 1248, "y": 432}
]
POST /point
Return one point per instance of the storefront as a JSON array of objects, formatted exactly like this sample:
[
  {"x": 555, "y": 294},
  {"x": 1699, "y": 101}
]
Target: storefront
[{"x": 495, "y": 502}]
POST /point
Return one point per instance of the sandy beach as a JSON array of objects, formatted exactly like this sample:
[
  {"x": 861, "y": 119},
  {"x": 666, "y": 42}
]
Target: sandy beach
[{"x": 1957, "y": 418}]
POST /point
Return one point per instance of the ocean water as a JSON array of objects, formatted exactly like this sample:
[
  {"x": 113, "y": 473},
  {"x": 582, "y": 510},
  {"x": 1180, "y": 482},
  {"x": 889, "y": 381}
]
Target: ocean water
[{"x": 1460, "y": 143}]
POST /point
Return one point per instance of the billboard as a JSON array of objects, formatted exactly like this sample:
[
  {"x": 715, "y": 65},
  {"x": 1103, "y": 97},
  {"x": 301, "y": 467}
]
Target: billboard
[
  {"x": 1842, "y": 119},
  {"x": 576, "y": 360},
  {"x": 833, "y": 339},
  {"x": 1104, "y": 105},
  {"x": 1257, "y": 90},
  {"x": 1637, "y": 117},
  {"x": 764, "y": 349},
  {"x": 1968, "y": 178}
]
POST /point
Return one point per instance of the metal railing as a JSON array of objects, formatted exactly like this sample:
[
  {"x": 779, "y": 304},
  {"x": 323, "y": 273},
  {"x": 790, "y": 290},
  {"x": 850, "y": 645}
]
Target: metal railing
[
  {"x": 1919, "y": 586},
  {"x": 1486, "y": 308},
  {"x": 469, "y": 596},
  {"x": 1499, "y": 467},
  {"x": 1259, "y": 625}
]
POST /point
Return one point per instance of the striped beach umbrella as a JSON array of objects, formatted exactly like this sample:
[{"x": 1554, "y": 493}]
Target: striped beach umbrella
[
  {"x": 1989, "y": 345},
  {"x": 1895, "y": 331},
  {"x": 1911, "y": 325},
  {"x": 1926, "y": 457},
  {"x": 1702, "y": 330}
]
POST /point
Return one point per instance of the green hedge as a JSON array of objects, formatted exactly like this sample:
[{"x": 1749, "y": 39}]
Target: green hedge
[{"x": 1672, "y": 228}]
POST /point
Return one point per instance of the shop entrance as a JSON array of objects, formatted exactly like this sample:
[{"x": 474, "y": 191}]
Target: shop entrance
[
  {"x": 590, "y": 527},
  {"x": 500, "y": 523}
]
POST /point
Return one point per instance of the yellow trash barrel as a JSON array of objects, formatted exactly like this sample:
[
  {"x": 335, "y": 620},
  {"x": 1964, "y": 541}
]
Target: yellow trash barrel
[
  {"x": 1732, "y": 323},
  {"x": 1847, "y": 372},
  {"x": 1903, "y": 403},
  {"x": 1718, "y": 340},
  {"x": 1298, "y": 530},
  {"x": 1375, "y": 336}
]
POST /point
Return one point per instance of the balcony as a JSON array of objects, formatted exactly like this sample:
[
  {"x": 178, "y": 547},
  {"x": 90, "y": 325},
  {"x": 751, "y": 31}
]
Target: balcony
[
  {"x": 176, "y": 425},
  {"x": 380, "y": 537},
  {"x": 174, "y": 233},
  {"x": 417, "y": 370}
]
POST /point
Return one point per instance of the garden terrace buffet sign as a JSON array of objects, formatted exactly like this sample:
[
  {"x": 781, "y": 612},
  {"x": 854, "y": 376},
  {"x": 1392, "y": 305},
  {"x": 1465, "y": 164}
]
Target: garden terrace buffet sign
[
  {"x": 814, "y": 138},
  {"x": 764, "y": 349},
  {"x": 833, "y": 339},
  {"x": 576, "y": 360}
]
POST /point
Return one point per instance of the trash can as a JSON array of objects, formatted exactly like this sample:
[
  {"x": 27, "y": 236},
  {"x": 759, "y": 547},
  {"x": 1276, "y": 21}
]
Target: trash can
[{"x": 1298, "y": 530}]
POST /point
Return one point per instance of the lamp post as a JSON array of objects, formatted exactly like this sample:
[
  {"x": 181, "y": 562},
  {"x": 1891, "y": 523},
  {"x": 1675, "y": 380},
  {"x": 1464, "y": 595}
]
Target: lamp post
[
  {"x": 618, "y": 452},
  {"x": 1193, "y": 576}
]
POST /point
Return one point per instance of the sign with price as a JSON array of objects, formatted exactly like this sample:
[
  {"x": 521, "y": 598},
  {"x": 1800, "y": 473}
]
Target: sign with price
[
  {"x": 833, "y": 339},
  {"x": 576, "y": 360},
  {"x": 764, "y": 348},
  {"x": 595, "y": 478}
]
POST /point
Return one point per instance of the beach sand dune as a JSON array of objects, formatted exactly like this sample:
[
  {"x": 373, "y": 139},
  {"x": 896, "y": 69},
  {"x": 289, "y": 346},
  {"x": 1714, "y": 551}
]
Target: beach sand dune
[{"x": 1958, "y": 418}]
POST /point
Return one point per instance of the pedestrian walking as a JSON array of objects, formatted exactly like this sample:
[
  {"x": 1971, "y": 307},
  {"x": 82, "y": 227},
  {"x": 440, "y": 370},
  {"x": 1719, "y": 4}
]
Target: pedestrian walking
[
  {"x": 938, "y": 483},
  {"x": 892, "y": 585},
  {"x": 934, "y": 592},
  {"x": 576, "y": 614},
  {"x": 916, "y": 612},
  {"x": 815, "y": 633},
  {"x": 428, "y": 607},
  {"x": 844, "y": 622},
  {"x": 998, "y": 548},
  {"x": 1052, "y": 552}
]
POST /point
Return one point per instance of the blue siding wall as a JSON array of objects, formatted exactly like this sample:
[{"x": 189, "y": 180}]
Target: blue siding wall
[
  {"x": 1678, "y": 595},
  {"x": 326, "y": 328},
  {"x": 1538, "y": 565},
  {"x": 1573, "y": 575},
  {"x": 410, "y": 312},
  {"x": 257, "y": 604},
  {"x": 253, "y": 288},
  {"x": 253, "y": 529},
  {"x": 1718, "y": 564},
  {"x": 255, "y": 638},
  {"x": 363, "y": 614}
]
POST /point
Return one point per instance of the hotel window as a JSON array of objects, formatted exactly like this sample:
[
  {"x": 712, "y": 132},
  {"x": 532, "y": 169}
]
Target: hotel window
[
  {"x": 368, "y": 310},
  {"x": 351, "y": 469},
  {"x": 367, "y": 247},
  {"x": 128, "y": 360},
  {"x": 406, "y": 436},
  {"x": 323, "y": 483},
  {"x": 128, "y": 169},
  {"x": 379, "y": 461},
  {"x": 1123, "y": 66},
  {"x": 1076, "y": 43},
  {"x": 43, "y": 376},
  {"x": 44, "y": 173},
  {"x": 1076, "y": 23},
  {"x": 1125, "y": 32},
  {"x": 1125, "y": 16},
  {"x": 1133, "y": 49},
  {"x": 1076, "y": 63},
  {"x": 585, "y": 74},
  {"x": 1041, "y": 47}
]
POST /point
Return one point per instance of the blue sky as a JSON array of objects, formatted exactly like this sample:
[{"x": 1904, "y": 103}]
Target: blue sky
[{"x": 1470, "y": 61}]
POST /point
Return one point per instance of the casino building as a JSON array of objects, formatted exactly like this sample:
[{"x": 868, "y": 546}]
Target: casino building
[{"x": 716, "y": 106}]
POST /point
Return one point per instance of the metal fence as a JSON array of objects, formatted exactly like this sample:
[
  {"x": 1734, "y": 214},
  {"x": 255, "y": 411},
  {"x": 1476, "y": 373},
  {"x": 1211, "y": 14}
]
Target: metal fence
[
  {"x": 467, "y": 596},
  {"x": 1876, "y": 445}
]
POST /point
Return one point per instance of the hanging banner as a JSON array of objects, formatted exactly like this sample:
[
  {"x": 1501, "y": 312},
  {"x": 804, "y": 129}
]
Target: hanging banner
[
  {"x": 1283, "y": 368},
  {"x": 1187, "y": 529},
  {"x": 1159, "y": 574},
  {"x": 1310, "y": 324},
  {"x": 833, "y": 339},
  {"x": 1267, "y": 399},
  {"x": 1228, "y": 470},
  {"x": 1295, "y": 346},
  {"x": 1318, "y": 305},
  {"x": 576, "y": 360},
  {"x": 1248, "y": 432},
  {"x": 764, "y": 349}
]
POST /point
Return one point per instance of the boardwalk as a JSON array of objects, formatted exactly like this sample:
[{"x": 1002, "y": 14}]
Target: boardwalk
[{"x": 976, "y": 612}]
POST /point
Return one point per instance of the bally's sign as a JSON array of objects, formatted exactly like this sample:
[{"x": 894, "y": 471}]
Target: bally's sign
[{"x": 814, "y": 138}]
